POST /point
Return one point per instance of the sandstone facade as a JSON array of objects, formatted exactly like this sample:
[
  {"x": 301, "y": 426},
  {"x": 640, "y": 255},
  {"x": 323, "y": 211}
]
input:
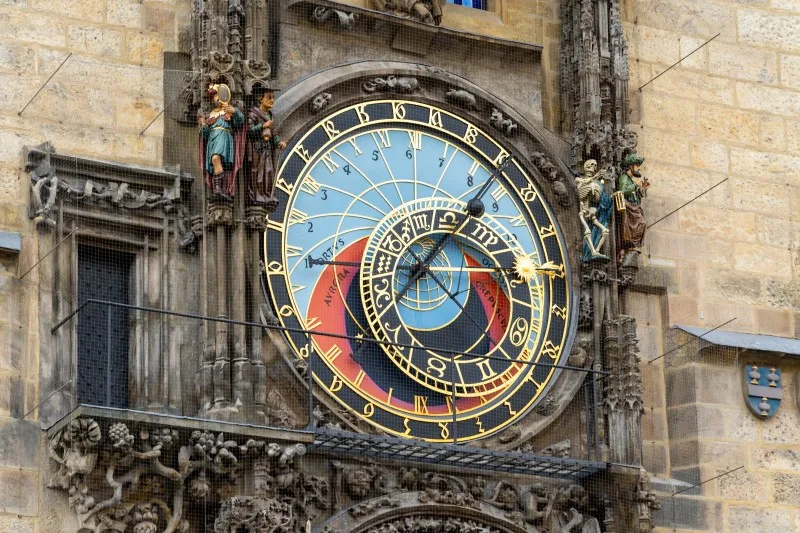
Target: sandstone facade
[{"x": 728, "y": 112}]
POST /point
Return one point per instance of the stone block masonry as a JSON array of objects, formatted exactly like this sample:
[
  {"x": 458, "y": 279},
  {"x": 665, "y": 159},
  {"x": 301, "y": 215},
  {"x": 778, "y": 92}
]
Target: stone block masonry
[{"x": 96, "y": 106}]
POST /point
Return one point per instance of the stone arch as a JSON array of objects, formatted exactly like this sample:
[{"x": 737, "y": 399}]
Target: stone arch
[{"x": 407, "y": 514}]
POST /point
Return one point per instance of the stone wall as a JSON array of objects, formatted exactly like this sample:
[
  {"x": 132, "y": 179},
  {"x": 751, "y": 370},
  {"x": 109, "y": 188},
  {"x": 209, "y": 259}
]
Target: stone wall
[
  {"x": 96, "y": 105},
  {"x": 525, "y": 21},
  {"x": 727, "y": 112}
]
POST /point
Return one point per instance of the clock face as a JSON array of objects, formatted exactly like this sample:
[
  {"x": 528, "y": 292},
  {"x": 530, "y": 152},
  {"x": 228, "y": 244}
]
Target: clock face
[{"x": 395, "y": 244}]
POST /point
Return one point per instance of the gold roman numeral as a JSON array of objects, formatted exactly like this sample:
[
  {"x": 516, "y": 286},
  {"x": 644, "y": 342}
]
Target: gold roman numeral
[
  {"x": 415, "y": 140},
  {"x": 359, "y": 378},
  {"x": 297, "y": 217},
  {"x": 383, "y": 136},
  {"x": 330, "y": 163},
  {"x": 310, "y": 186},
  {"x": 332, "y": 353},
  {"x": 421, "y": 405},
  {"x": 486, "y": 369}
]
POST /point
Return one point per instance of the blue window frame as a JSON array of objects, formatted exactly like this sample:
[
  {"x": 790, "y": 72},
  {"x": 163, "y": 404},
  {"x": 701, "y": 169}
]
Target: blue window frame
[{"x": 477, "y": 4}]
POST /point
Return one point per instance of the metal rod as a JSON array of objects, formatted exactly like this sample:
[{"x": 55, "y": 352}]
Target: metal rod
[
  {"x": 169, "y": 103},
  {"x": 706, "y": 481},
  {"x": 48, "y": 253},
  {"x": 108, "y": 355},
  {"x": 44, "y": 84},
  {"x": 313, "y": 332},
  {"x": 678, "y": 62},
  {"x": 453, "y": 395},
  {"x": 47, "y": 398},
  {"x": 687, "y": 203},
  {"x": 692, "y": 340}
]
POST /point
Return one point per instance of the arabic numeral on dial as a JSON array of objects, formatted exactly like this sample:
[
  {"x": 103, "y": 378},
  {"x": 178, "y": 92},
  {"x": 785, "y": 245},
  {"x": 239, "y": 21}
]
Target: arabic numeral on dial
[
  {"x": 495, "y": 207},
  {"x": 347, "y": 170},
  {"x": 470, "y": 181},
  {"x": 324, "y": 194},
  {"x": 409, "y": 154},
  {"x": 375, "y": 154},
  {"x": 311, "y": 227},
  {"x": 441, "y": 162}
]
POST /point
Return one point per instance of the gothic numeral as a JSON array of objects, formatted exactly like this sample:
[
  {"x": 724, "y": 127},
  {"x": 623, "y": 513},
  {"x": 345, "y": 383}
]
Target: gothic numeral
[
  {"x": 363, "y": 116},
  {"x": 303, "y": 153},
  {"x": 436, "y": 119},
  {"x": 330, "y": 129},
  {"x": 471, "y": 136},
  {"x": 398, "y": 110},
  {"x": 559, "y": 311}
]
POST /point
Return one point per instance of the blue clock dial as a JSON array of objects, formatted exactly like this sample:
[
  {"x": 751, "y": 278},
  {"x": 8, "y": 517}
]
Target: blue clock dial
[{"x": 375, "y": 240}]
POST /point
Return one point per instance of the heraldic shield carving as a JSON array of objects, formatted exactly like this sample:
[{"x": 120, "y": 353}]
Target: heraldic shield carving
[{"x": 763, "y": 389}]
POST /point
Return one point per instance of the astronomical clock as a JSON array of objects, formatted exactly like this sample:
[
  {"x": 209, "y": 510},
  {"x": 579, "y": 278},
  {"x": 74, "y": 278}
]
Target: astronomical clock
[{"x": 418, "y": 270}]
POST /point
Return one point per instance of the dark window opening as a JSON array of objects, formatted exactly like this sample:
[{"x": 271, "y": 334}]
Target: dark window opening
[{"x": 103, "y": 331}]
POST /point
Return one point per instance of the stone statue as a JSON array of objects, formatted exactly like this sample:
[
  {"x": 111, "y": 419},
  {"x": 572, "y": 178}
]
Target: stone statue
[
  {"x": 595, "y": 211},
  {"x": 262, "y": 147},
  {"x": 221, "y": 143},
  {"x": 631, "y": 188},
  {"x": 427, "y": 11}
]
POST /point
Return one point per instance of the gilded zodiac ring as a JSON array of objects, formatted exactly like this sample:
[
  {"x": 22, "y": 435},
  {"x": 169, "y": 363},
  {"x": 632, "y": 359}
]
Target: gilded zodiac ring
[{"x": 462, "y": 297}]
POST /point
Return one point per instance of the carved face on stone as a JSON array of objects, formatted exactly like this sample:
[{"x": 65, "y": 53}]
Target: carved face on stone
[
  {"x": 358, "y": 483},
  {"x": 590, "y": 167},
  {"x": 267, "y": 100}
]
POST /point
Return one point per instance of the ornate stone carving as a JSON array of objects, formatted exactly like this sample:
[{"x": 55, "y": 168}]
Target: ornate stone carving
[
  {"x": 426, "y": 11},
  {"x": 392, "y": 84},
  {"x": 320, "y": 102},
  {"x": 160, "y": 464},
  {"x": 462, "y": 98},
  {"x": 255, "y": 514},
  {"x": 646, "y": 502},
  {"x": 47, "y": 188},
  {"x": 559, "y": 449},
  {"x": 219, "y": 213},
  {"x": 502, "y": 123},
  {"x": 322, "y": 14}
]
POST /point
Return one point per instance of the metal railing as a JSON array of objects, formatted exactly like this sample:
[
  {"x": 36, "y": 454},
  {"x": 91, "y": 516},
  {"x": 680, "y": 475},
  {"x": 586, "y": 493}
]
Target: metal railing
[{"x": 588, "y": 431}]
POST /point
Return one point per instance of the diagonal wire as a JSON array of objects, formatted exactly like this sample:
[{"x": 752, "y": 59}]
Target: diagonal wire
[
  {"x": 706, "y": 481},
  {"x": 44, "y": 84},
  {"x": 67, "y": 236},
  {"x": 678, "y": 62},
  {"x": 47, "y": 398},
  {"x": 691, "y": 341},
  {"x": 169, "y": 103},
  {"x": 687, "y": 203}
]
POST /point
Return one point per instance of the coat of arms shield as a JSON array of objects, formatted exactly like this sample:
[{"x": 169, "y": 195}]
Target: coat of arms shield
[{"x": 763, "y": 389}]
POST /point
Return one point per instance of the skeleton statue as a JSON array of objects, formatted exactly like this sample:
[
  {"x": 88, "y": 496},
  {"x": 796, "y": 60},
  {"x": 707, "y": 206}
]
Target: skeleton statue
[{"x": 595, "y": 211}]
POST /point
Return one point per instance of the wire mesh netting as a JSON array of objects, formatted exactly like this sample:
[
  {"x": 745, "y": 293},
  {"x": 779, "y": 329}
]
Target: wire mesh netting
[{"x": 294, "y": 280}]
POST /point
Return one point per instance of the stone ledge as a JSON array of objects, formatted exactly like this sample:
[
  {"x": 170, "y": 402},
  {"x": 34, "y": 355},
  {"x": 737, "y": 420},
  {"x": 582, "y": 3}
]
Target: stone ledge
[
  {"x": 413, "y": 25},
  {"x": 181, "y": 422}
]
